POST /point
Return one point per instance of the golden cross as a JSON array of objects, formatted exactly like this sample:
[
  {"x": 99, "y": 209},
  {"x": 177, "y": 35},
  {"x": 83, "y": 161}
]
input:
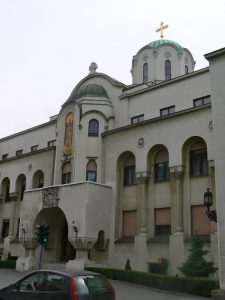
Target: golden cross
[{"x": 161, "y": 28}]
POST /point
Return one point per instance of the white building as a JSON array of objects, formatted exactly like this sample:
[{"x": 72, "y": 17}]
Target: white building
[{"x": 121, "y": 171}]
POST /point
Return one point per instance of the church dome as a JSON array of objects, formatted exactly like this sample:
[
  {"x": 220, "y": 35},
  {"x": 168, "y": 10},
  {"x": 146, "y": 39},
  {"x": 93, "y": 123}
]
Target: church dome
[
  {"x": 158, "y": 43},
  {"x": 89, "y": 90}
]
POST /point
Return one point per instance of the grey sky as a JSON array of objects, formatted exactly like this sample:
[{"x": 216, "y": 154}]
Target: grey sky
[{"x": 48, "y": 45}]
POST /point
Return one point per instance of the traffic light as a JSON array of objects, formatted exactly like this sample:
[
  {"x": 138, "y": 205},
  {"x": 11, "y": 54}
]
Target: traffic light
[
  {"x": 42, "y": 233},
  {"x": 45, "y": 234}
]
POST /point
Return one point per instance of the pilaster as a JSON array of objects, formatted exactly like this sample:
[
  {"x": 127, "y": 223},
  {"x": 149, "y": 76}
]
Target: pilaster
[
  {"x": 176, "y": 193},
  {"x": 142, "y": 197}
]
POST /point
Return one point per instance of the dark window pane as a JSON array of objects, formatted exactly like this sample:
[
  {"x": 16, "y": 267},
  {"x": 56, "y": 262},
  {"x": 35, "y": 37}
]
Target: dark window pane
[
  {"x": 93, "y": 128},
  {"x": 145, "y": 73},
  {"x": 91, "y": 176},
  {"x": 167, "y": 70},
  {"x": 92, "y": 285},
  {"x": 198, "y": 162},
  {"x": 162, "y": 171},
  {"x": 129, "y": 175}
]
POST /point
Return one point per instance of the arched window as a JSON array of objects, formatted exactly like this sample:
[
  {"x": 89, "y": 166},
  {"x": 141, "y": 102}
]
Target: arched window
[
  {"x": 66, "y": 173},
  {"x": 38, "y": 180},
  {"x": 145, "y": 73},
  {"x": 22, "y": 188},
  {"x": 162, "y": 171},
  {"x": 91, "y": 171},
  {"x": 129, "y": 171},
  {"x": 167, "y": 69},
  {"x": 6, "y": 190},
  {"x": 68, "y": 138},
  {"x": 198, "y": 160},
  {"x": 186, "y": 69},
  {"x": 93, "y": 127}
]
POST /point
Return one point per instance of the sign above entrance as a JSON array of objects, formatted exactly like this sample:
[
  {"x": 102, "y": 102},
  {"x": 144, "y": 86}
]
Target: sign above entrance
[{"x": 50, "y": 197}]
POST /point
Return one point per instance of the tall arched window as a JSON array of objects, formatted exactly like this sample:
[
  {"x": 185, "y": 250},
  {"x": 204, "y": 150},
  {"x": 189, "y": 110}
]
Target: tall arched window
[
  {"x": 68, "y": 138},
  {"x": 162, "y": 172},
  {"x": 91, "y": 171},
  {"x": 145, "y": 73},
  {"x": 93, "y": 127},
  {"x": 186, "y": 69},
  {"x": 167, "y": 69}
]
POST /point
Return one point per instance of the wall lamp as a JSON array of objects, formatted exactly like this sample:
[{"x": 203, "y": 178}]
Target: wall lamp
[{"x": 208, "y": 202}]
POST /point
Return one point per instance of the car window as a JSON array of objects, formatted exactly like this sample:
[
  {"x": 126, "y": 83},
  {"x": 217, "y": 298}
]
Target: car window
[
  {"x": 91, "y": 284},
  {"x": 55, "y": 282},
  {"x": 33, "y": 282}
]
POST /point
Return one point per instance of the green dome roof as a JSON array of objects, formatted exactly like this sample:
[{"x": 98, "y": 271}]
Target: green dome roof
[
  {"x": 89, "y": 90},
  {"x": 158, "y": 43}
]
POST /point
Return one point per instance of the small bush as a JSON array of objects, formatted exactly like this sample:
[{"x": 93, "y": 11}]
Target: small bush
[
  {"x": 195, "y": 286},
  {"x": 11, "y": 264}
]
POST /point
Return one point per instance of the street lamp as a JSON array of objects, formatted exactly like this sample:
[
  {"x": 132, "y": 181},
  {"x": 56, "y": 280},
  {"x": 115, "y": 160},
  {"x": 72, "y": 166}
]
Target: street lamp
[{"x": 208, "y": 201}]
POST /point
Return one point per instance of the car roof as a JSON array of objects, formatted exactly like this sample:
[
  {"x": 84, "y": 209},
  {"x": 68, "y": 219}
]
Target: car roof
[{"x": 69, "y": 273}]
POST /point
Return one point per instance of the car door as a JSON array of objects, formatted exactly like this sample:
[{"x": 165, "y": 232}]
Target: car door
[
  {"x": 55, "y": 287},
  {"x": 27, "y": 288}
]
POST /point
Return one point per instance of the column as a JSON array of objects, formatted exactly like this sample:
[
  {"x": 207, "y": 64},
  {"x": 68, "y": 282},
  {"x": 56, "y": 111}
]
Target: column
[
  {"x": 141, "y": 238},
  {"x": 142, "y": 198},
  {"x": 176, "y": 181},
  {"x": 176, "y": 258}
]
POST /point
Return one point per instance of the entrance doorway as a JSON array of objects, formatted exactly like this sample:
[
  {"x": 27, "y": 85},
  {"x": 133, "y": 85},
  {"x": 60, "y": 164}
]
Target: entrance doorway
[{"x": 67, "y": 250}]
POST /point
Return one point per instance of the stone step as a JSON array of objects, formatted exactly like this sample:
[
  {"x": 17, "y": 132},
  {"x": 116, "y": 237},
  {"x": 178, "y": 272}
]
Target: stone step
[{"x": 54, "y": 266}]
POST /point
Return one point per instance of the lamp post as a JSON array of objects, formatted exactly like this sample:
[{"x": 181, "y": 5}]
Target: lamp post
[{"x": 208, "y": 201}]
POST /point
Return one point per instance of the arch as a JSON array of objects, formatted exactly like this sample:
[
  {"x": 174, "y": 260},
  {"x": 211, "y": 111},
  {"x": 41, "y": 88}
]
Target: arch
[
  {"x": 126, "y": 196},
  {"x": 38, "y": 180},
  {"x": 5, "y": 189},
  {"x": 194, "y": 156},
  {"x": 21, "y": 186},
  {"x": 58, "y": 247},
  {"x": 93, "y": 127},
  {"x": 145, "y": 73},
  {"x": 158, "y": 162},
  {"x": 168, "y": 69}
]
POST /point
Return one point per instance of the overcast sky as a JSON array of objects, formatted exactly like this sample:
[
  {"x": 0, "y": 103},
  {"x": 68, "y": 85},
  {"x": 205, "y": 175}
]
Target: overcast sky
[{"x": 48, "y": 45}]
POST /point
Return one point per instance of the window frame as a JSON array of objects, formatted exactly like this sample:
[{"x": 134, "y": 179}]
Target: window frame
[
  {"x": 93, "y": 127},
  {"x": 145, "y": 73},
  {"x": 34, "y": 148},
  {"x": 198, "y": 156},
  {"x": 167, "y": 111},
  {"x": 202, "y": 101},
  {"x": 165, "y": 172},
  {"x": 137, "y": 119},
  {"x": 19, "y": 152},
  {"x": 129, "y": 176},
  {"x": 168, "y": 71}
]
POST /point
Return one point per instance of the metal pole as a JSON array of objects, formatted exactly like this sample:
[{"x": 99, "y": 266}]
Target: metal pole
[{"x": 40, "y": 258}]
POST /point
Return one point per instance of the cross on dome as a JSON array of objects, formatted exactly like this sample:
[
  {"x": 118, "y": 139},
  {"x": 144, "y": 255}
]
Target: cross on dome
[{"x": 161, "y": 28}]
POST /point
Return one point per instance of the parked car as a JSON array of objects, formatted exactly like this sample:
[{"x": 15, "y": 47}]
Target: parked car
[{"x": 56, "y": 285}]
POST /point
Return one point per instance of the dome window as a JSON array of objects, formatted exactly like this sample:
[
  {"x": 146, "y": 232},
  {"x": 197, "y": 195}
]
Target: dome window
[
  {"x": 167, "y": 69},
  {"x": 145, "y": 73},
  {"x": 186, "y": 69}
]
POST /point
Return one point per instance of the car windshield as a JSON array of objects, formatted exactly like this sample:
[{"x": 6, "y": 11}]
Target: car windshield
[{"x": 92, "y": 284}]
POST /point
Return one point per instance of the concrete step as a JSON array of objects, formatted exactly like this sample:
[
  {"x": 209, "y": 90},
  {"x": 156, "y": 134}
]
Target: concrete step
[{"x": 54, "y": 266}]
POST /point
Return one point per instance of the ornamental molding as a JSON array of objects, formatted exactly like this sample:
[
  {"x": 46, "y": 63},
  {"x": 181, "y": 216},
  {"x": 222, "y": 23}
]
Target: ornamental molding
[{"x": 50, "y": 197}]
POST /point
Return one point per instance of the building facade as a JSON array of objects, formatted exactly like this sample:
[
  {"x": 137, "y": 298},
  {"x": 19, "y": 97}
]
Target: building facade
[{"x": 121, "y": 171}]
